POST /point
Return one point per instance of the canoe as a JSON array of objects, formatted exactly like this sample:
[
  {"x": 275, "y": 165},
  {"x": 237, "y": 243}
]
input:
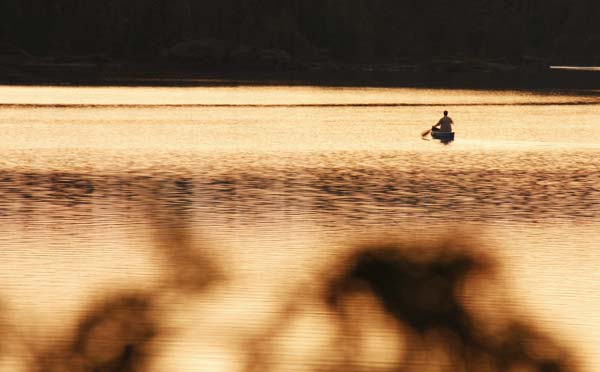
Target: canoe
[{"x": 446, "y": 136}]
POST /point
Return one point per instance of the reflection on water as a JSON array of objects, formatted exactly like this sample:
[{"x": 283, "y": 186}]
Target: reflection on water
[
  {"x": 205, "y": 223},
  {"x": 513, "y": 186},
  {"x": 393, "y": 191}
]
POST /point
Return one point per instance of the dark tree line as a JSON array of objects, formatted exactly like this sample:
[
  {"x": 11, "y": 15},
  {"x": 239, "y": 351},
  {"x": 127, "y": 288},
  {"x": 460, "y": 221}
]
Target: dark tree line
[{"x": 346, "y": 29}]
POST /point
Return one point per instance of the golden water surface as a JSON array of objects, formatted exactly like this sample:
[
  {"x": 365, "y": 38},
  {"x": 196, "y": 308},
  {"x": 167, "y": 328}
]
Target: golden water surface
[{"x": 274, "y": 185}]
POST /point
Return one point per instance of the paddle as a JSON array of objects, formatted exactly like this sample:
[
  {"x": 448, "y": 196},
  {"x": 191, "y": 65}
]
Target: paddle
[{"x": 426, "y": 132}]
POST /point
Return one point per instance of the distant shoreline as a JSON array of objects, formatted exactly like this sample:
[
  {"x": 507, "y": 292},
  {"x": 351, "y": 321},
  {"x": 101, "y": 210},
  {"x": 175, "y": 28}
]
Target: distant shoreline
[{"x": 22, "y": 70}]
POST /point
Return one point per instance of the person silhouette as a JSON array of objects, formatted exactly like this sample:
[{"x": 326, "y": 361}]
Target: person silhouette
[{"x": 444, "y": 124}]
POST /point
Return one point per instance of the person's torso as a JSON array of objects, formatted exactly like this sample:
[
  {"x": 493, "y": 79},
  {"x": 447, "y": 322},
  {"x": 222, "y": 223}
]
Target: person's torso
[{"x": 446, "y": 124}]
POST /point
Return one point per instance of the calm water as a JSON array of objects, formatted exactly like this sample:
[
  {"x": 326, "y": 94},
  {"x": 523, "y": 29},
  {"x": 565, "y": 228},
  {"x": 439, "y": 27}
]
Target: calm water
[{"x": 276, "y": 183}]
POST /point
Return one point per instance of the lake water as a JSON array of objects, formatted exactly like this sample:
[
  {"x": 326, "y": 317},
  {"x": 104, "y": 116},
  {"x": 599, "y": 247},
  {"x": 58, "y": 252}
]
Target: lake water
[{"x": 272, "y": 186}]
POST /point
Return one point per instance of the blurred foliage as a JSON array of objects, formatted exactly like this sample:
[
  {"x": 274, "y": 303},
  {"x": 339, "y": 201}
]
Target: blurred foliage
[
  {"x": 431, "y": 291},
  {"x": 445, "y": 302},
  {"x": 425, "y": 290}
]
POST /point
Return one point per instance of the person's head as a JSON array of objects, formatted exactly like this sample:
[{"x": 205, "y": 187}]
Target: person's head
[{"x": 445, "y": 113}]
